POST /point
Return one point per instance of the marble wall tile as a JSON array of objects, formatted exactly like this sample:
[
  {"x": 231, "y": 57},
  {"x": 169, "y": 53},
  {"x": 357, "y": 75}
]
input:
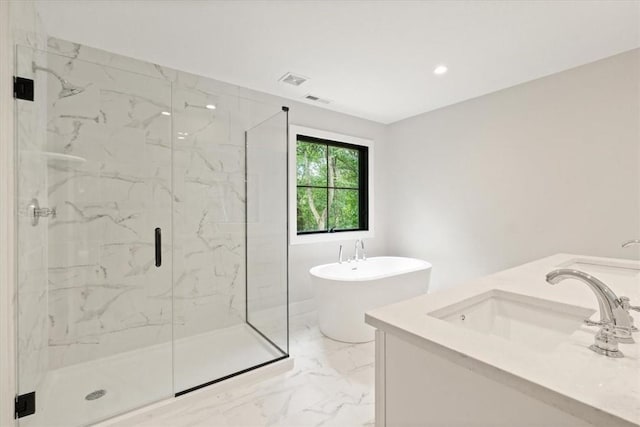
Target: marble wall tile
[
  {"x": 103, "y": 286},
  {"x": 30, "y": 289},
  {"x": 135, "y": 168},
  {"x": 209, "y": 192},
  {"x": 267, "y": 296},
  {"x": 32, "y": 295}
]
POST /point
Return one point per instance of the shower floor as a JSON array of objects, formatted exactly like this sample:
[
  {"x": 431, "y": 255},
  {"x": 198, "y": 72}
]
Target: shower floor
[{"x": 137, "y": 378}]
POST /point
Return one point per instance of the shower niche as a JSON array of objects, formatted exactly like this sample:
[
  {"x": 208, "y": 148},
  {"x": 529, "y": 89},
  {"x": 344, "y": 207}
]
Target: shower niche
[{"x": 152, "y": 233}]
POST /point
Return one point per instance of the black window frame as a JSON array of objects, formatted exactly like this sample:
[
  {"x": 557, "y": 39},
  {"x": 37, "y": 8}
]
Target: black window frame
[{"x": 363, "y": 184}]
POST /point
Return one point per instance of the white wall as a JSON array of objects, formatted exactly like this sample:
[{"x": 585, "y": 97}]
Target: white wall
[
  {"x": 544, "y": 167},
  {"x": 304, "y": 256}
]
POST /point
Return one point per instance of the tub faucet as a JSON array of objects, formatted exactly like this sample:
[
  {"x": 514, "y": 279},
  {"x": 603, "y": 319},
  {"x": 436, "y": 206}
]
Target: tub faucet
[
  {"x": 615, "y": 321},
  {"x": 360, "y": 248},
  {"x": 631, "y": 243}
]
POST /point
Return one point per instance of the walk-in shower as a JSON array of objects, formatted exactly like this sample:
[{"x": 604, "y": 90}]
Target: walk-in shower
[{"x": 152, "y": 234}]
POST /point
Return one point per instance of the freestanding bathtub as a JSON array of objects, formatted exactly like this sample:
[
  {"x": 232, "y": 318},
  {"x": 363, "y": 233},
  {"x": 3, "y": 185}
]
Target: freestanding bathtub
[{"x": 345, "y": 291}]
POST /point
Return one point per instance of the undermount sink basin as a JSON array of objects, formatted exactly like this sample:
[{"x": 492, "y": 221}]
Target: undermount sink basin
[
  {"x": 611, "y": 270},
  {"x": 538, "y": 324}
]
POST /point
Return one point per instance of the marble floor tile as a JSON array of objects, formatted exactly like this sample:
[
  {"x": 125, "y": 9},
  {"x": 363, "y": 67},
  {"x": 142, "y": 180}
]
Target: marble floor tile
[{"x": 331, "y": 384}]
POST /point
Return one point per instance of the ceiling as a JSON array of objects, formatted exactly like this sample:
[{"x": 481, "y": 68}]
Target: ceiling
[{"x": 372, "y": 59}]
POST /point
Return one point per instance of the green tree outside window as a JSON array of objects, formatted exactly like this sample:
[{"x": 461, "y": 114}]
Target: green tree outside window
[{"x": 331, "y": 188}]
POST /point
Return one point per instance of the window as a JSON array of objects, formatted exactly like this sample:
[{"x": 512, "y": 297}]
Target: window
[
  {"x": 332, "y": 176},
  {"x": 331, "y": 181}
]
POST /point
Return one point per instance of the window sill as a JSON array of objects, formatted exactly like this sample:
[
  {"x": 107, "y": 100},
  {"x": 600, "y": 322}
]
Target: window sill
[{"x": 330, "y": 237}]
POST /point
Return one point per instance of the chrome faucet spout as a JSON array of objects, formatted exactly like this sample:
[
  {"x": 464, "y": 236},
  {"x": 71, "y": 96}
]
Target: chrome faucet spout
[
  {"x": 607, "y": 300},
  {"x": 615, "y": 319},
  {"x": 631, "y": 243}
]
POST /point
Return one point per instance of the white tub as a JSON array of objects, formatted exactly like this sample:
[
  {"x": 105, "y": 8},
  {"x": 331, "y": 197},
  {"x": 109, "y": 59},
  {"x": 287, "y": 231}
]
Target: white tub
[{"x": 345, "y": 291}]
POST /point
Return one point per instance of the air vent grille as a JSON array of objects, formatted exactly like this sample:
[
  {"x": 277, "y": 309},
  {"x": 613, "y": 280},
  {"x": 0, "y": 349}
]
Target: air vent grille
[
  {"x": 310, "y": 97},
  {"x": 293, "y": 79}
]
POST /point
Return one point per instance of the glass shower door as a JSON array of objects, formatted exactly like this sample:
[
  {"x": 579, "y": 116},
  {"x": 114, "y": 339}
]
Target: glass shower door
[
  {"x": 94, "y": 240},
  {"x": 216, "y": 252},
  {"x": 267, "y": 231}
]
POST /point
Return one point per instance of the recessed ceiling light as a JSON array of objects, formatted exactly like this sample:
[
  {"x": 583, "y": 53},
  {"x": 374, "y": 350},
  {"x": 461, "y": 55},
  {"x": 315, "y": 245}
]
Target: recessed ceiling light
[
  {"x": 210, "y": 107},
  {"x": 440, "y": 70},
  {"x": 165, "y": 113}
]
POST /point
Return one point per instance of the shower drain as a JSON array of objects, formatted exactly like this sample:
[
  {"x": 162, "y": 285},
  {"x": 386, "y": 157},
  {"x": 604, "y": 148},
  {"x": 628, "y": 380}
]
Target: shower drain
[{"x": 95, "y": 395}]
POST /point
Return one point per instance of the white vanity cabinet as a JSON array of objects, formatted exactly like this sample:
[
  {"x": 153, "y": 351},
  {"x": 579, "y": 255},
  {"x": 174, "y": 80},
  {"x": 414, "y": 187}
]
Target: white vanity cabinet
[
  {"x": 418, "y": 386},
  {"x": 508, "y": 350}
]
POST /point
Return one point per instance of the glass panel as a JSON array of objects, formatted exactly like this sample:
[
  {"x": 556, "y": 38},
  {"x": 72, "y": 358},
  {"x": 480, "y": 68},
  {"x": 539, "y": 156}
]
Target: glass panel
[
  {"x": 213, "y": 339},
  {"x": 311, "y": 161},
  {"x": 343, "y": 167},
  {"x": 94, "y": 311},
  {"x": 312, "y": 209},
  {"x": 344, "y": 209},
  {"x": 267, "y": 245},
  {"x": 208, "y": 222}
]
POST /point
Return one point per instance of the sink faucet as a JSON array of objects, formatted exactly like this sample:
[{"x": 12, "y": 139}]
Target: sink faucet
[
  {"x": 631, "y": 243},
  {"x": 615, "y": 321}
]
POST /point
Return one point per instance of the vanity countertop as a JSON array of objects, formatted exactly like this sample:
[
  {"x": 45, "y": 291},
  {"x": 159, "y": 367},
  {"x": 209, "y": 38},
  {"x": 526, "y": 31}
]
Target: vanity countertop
[{"x": 602, "y": 390}]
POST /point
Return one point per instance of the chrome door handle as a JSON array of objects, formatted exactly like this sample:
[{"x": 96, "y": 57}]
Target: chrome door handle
[{"x": 35, "y": 212}]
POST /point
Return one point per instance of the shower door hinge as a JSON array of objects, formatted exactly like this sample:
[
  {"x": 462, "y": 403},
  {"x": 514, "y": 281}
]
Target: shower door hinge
[
  {"x": 23, "y": 88},
  {"x": 25, "y": 404}
]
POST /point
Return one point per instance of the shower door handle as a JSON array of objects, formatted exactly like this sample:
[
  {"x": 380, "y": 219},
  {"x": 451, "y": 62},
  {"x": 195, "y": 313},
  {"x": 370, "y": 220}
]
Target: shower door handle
[{"x": 158, "y": 247}]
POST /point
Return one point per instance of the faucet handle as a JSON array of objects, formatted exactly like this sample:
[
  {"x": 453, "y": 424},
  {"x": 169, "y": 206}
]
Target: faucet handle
[
  {"x": 630, "y": 243},
  {"x": 589, "y": 322},
  {"x": 623, "y": 334},
  {"x": 625, "y": 303}
]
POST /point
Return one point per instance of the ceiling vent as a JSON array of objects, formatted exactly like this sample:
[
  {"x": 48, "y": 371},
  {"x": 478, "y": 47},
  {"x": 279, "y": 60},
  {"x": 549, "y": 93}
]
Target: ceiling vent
[
  {"x": 314, "y": 98},
  {"x": 293, "y": 79}
]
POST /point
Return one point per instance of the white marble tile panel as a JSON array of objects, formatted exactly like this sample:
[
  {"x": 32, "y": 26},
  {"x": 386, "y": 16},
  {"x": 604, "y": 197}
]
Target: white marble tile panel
[
  {"x": 104, "y": 294},
  {"x": 331, "y": 385}
]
